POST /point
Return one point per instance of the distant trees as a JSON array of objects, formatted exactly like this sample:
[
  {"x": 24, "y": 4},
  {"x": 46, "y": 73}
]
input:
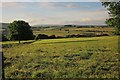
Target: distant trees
[
  {"x": 114, "y": 12},
  {"x": 19, "y": 30}
]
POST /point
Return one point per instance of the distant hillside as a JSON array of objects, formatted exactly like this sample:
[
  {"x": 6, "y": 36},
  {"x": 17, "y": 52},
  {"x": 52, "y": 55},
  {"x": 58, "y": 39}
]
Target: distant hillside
[{"x": 67, "y": 25}]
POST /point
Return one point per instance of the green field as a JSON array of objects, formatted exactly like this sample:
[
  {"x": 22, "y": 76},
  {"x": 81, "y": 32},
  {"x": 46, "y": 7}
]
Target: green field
[
  {"x": 73, "y": 30},
  {"x": 94, "y": 57}
]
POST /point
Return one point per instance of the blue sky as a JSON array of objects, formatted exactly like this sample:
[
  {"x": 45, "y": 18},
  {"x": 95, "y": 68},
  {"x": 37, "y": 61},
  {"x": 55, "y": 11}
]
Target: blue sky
[{"x": 54, "y": 12}]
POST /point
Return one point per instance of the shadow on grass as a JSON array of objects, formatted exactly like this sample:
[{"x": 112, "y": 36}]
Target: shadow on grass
[
  {"x": 69, "y": 41},
  {"x": 28, "y": 42},
  {"x": 15, "y": 44}
]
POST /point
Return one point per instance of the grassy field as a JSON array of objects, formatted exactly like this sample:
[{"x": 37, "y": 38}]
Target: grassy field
[
  {"x": 95, "y": 57},
  {"x": 72, "y": 30}
]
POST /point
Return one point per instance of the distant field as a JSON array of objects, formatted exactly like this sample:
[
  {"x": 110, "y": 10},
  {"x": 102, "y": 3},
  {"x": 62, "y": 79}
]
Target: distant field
[
  {"x": 95, "y": 57},
  {"x": 73, "y": 30}
]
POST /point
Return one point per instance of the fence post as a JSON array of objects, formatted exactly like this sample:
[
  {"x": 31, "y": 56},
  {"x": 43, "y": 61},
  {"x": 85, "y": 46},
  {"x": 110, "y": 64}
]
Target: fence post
[{"x": 1, "y": 66}]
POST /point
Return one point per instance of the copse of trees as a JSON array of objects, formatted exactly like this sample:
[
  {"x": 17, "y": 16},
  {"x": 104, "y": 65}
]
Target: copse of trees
[
  {"x": 19, "y": 30},
  {"x": 114, "y": 12}
]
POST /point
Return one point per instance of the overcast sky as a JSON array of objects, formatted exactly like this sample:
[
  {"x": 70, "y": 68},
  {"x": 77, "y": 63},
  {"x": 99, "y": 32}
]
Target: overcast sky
[{"x": 54, "y": 12}]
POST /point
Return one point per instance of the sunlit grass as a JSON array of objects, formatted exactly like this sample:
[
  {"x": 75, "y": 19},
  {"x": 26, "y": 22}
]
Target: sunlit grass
[{"x": 95, "y": 57}]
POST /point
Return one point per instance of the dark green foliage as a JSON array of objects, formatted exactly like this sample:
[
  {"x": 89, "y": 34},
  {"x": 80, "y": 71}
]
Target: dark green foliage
[
  {"x": 114, "y": 12},
  {"x": 52, "y": 36},
  {"x": 86, "y": 35},
  {"x": 41, "y": 36},
  {"x": 20, "y": 30},
  {"x": 4, "y": 38},
  {"x": 44, "y": 36}
]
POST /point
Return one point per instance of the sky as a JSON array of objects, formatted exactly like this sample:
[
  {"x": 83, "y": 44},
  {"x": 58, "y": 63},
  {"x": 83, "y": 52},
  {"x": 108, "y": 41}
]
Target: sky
[
  {"x": 55, "y": 13},
  {"x": 50, "y": 0}
]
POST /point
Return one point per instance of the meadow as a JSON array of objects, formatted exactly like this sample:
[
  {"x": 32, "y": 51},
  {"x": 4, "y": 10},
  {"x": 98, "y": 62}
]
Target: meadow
[
  {"x": 83, "y": 57},
  {"x": 63, "y": 31}
]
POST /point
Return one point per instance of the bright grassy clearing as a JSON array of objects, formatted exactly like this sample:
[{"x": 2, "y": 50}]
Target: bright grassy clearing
[{"x": 60, "y": 58}]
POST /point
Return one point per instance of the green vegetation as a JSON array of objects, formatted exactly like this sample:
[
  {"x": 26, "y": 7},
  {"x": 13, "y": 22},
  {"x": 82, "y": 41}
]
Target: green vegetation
[
  {"x": 114, "y": 12},
  {"x": 95, "y": 57},
  {"x": 19, "y": 30},
  {"x": 67, "y": 55},
  {"x": 69, "y": 51},
  {"x": 63, "y": 32}
]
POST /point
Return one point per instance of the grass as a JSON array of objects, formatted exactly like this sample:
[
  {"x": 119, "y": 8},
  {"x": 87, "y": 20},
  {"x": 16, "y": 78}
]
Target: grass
[
  {"x": 72, "y": 30},
  {"x": 95, "y": 57}
]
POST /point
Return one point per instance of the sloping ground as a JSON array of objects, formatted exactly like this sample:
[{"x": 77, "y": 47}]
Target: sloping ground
[{"x": 63, "y": 58}]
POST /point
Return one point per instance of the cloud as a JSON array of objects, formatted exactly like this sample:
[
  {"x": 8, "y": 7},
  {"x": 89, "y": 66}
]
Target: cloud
[
  {"x": 67, "y": 17},
  {"x": 59, "y": 0},
  {"x": 92, "y": 19},
  {"x": 80, "y": 14},
  {"x": 56, "y": 13},
  {"x": 87, "y": 21},
  {"x": 50, "y": 0},
  {"x": 48, "y": 5},
  {"x": 69, "y": 20},
  {"x": 0, "y": 5},
  {"x": 58, "y": 5},
  {"x": 13, "y": 5},
  {"x": 84, "y": 17}
]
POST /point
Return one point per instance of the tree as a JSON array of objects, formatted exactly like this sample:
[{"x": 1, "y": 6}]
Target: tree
[
  {"x": 19, "y": 30},
  {"x": 114, "y": 12}
]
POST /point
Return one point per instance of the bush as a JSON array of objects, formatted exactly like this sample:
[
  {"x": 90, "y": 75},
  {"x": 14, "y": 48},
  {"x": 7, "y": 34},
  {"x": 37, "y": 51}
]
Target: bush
[
  {"x": 89, "y": 34},
  {"x": 71, "y": 36},
  {"x": 41, "y": 36},
  {"x": 81, "y": 35},
  {"x": 44, "y": 36},
  {"x": 60, "y": 37},
  {"x": 102, "y": 35},
  {"x": 52, "y": 37}
]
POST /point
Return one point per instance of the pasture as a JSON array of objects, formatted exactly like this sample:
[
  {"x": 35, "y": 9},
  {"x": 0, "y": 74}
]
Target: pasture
[
  {"x": 63, "y": 31},
  {"x": 88, "y": 57}
]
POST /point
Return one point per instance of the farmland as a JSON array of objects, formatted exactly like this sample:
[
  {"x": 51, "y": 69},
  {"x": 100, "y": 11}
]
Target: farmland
[
  {"x": 60, "y": 40},
  {"x": 83, "y": 57},
  {"x": 63, "y": 31}
]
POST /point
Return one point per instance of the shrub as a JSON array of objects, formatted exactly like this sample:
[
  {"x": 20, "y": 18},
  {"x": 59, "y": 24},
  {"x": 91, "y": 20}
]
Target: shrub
[
  {"x": 41, "y": 36},
  {"x": 59, "y": 37},
  {"x": 70, "y": 36},
  {"x": 102, "y": 35},
  {"x": 89, "y": 34},
  {"x": 52, "y": 37}
]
